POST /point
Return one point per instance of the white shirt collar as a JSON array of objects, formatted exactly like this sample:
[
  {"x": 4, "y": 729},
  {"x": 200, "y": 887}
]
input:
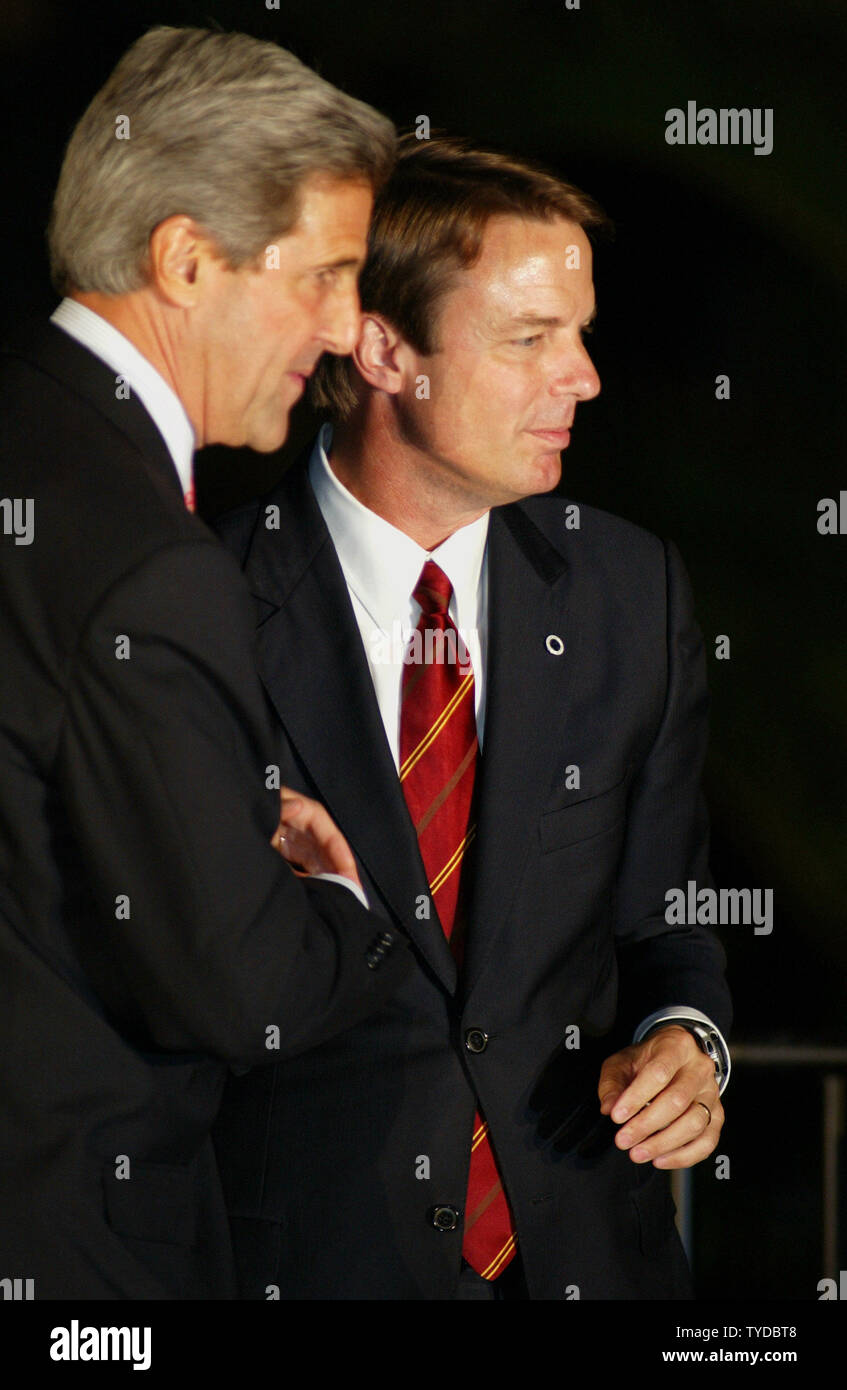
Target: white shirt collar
[
  {"x": 382, "y": 564},
  {"x": 160, "y": 401}
]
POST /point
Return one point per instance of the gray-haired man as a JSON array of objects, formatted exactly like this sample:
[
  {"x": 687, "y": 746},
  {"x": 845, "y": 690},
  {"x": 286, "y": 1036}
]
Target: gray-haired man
[{"x": 208, "y": 227}]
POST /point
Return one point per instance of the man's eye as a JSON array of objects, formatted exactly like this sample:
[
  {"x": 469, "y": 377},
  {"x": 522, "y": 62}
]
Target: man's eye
[
  {"x": 527, "y": 342},
  {"x": 328, "y": 276}
]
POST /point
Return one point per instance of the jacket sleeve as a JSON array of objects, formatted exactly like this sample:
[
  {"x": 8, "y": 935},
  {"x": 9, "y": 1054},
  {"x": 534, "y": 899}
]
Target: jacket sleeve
[
  {"x": 667, "y": 840},
  {"x": 206, "y": 940}
]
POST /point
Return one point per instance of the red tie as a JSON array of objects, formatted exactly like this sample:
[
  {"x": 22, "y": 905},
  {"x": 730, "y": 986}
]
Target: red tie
[
  {"x": 438, "y": 758},
  {"x": 189, "y": 497}
]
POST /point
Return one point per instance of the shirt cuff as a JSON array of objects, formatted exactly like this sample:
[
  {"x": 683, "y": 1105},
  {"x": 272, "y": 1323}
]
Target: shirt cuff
[
  {"x": 348, "y": 883},
  {"x": 682, "y": 1014}
]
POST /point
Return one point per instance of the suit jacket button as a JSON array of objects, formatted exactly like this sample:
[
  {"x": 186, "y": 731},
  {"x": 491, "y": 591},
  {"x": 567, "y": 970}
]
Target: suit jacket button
[
  {"x": 476, "y": 1040},
  {"x": 444, "y": 1218}
]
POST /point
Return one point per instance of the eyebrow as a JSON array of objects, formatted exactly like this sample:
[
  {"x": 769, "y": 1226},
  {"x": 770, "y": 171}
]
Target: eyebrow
[
  {"x": 541, "y": 321},
  {"x": 343, "y": 263}
]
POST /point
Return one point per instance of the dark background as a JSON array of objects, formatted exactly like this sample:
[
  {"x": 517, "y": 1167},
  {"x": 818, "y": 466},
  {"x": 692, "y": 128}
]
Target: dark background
[{"x": 723, "y": 262}]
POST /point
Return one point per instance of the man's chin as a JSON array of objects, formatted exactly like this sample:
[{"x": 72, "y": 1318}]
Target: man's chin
[
  {"x": 270, "y": 438},
  {"x": 547, "y": 470}
]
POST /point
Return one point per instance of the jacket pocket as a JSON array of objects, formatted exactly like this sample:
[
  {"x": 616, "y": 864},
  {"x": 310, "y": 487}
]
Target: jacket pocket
[
  {"x": 584, "y": 819},
  {"x": 156, "y": 1202}
]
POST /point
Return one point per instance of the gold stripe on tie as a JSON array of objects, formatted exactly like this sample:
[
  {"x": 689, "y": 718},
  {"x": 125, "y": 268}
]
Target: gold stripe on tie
[
  {"x": 494, "y": 1268},
  {"x": 480, "y": 1135},
  {"x": 452, "y": 863},
  {"x": 433, "y": 733}
]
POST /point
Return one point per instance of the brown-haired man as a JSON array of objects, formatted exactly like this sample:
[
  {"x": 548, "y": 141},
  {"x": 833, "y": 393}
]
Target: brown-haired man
[{"x": 532, "y": 672}]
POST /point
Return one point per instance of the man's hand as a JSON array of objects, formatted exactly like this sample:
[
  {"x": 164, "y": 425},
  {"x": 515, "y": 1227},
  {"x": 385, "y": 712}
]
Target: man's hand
[
  {"x": 670, "y": 1075},
  {"x": 308, "y": 838}
]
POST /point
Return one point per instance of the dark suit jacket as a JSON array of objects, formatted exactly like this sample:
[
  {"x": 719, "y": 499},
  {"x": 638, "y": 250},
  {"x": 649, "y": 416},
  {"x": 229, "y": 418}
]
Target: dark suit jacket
[
  {"x": 149, "y": 936},
  {"x": 334, "y": 1162}
]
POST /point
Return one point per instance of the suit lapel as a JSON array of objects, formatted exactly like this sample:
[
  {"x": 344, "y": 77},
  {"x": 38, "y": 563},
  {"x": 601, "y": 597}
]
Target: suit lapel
[
  {"x": 527, "y": 684},
  {"x": 59, "y": 355},
  {"x": 314, "y": 667}
]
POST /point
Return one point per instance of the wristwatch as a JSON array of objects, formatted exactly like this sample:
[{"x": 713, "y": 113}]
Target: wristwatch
[{"x": 709, "y": 1038}]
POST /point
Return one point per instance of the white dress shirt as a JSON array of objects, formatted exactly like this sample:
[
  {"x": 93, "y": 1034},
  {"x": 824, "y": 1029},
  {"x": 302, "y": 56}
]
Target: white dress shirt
[
  {"x": 381, "y": 566},
  {"x": 159, "y": 400}
]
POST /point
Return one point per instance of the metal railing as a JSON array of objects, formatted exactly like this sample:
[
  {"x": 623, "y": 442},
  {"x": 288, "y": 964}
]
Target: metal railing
[{"x": 832, "y": 1063}]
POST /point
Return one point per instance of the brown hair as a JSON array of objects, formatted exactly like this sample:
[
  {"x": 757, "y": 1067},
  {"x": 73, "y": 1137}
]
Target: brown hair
[{"x": 428, "y": 224}]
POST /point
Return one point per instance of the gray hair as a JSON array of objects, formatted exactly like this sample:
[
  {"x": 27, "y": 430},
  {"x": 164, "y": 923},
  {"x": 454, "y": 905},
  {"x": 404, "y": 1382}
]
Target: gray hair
[{"x": 221, "y": 127}]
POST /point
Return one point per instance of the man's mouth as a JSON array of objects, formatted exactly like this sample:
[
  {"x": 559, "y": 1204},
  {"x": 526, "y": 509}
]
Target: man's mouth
[
  {"x": 559, "y": 438},
  {"x": 302, "y": 374}
]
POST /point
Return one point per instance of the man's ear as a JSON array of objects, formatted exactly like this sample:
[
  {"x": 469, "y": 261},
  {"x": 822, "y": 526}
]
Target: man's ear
[
  {"x": 378, "y": 353},
  {"x": 178, "y": 256}
]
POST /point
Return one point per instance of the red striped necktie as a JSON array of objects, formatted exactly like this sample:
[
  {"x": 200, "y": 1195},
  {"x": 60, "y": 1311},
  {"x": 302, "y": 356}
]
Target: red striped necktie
[{"x": 438, "y": 761}]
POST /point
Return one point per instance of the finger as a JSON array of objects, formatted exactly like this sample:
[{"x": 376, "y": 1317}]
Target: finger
[
  {"x": 689, "y": 1154},
  {"x": 314, "y": 821},
  {"x": 670, "y": 1066},
  {"x": 308, "y": 828},
  {"x": 674, "y": 1101},
  {"x": 615, "y": 1075},
  {"x": 303, "y": 812},
  {"x": 297, "y": 810},
  {"x": 671, "y": 1103},
  {"x": 340, "y": 857},
  {"x": 328, "y": 848},
  {"x": 608, "y": 1101},
  {"x": 298, "y": 849},
  {"x": 690, "y": 1127},
  {"x": 310, "y": 817},
  {"x": 653, "y": 1078}
]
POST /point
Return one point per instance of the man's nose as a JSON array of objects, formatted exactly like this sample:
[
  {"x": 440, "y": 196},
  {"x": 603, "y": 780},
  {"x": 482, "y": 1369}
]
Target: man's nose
[
  {"x": 339, "y": 329},
  {"x": 576, "y": 374}
]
